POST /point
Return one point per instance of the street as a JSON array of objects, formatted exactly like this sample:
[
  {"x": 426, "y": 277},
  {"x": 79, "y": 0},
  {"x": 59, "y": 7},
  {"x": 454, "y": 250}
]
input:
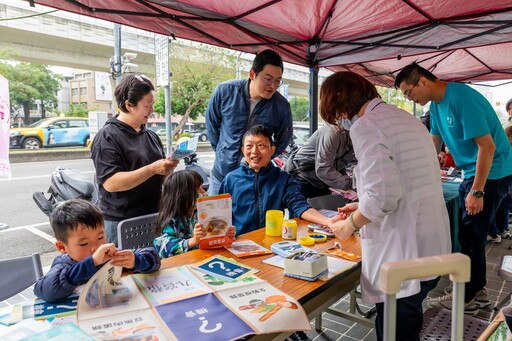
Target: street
[{"x": 28, "y": 228}]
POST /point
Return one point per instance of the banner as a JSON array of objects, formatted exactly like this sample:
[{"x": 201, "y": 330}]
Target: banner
[{"x": 5, "y": 123}]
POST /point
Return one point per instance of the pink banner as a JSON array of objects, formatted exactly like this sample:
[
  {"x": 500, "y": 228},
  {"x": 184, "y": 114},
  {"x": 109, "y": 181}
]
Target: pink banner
[{"x": 5, "y": 121}]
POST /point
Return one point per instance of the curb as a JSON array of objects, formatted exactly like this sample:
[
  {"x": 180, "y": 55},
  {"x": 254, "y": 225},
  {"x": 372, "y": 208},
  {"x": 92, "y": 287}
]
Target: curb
[{"x": 67, "y": 154}]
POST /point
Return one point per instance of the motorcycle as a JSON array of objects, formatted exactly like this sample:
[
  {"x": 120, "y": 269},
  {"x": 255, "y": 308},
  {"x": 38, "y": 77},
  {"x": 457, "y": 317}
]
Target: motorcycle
[
  {"x": 281, "y": 160},
  {"x": 66, "y": 183}
]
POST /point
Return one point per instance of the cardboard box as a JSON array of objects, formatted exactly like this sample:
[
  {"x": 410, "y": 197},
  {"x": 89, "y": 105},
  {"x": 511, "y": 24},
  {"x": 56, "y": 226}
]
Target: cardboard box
[{"x": 305, "y": 264}]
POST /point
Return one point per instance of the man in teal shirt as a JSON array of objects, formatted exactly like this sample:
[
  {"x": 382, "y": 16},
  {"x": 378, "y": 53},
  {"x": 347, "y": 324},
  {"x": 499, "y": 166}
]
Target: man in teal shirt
[{"x": 462, "y": 118}]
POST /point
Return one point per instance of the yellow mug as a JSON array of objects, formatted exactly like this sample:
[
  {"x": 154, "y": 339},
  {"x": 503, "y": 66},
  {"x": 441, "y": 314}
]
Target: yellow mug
[{"x": 274, "y": 222}]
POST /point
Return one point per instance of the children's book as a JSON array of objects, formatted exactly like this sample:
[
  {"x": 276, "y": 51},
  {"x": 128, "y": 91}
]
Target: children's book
[
  {"x": 38, "y": 310},
  {"x": 215, "y": 214},
  {"x": 184, "y": 304},
  {"x": 67, "y": 331},
  {"x": 247, "y": 248},
  {"x": 223, "y": 268}
]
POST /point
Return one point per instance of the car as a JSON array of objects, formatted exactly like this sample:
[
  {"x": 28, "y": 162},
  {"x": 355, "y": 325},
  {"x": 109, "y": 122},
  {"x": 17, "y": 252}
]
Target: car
[
  {"x": 202, "y": 136},
  {"x": 51, "y": 132}
]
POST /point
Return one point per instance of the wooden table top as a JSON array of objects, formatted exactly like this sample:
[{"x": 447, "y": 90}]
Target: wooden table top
[{"x": 299, "y": 289}]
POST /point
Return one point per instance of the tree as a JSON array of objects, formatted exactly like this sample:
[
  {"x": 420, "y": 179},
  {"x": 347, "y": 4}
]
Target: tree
[
  {"x": 300, "y": 108},
  {"x": 194, "y": 80},
  {"x": 29, "y": 83},
  {"x": 395, "y": 97}
]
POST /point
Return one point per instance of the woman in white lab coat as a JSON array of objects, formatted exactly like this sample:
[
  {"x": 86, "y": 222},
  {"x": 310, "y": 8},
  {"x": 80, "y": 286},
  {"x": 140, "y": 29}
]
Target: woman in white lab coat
[{"x": 401, "y": 212}]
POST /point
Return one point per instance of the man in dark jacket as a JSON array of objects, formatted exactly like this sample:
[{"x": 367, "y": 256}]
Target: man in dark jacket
[
  {"x": 259, "y": 186},
  {"x": 237, "y": 105}
]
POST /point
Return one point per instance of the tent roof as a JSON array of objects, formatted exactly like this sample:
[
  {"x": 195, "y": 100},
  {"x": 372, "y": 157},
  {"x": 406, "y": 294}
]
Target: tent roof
[{"x": 459, "y": 40}]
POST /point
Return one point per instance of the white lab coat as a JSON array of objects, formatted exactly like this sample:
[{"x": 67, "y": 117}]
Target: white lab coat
[{"x": 399, "y": 188}]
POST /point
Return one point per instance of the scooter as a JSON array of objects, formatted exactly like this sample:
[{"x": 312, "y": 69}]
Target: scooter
[{"x": 66, "y": 183}]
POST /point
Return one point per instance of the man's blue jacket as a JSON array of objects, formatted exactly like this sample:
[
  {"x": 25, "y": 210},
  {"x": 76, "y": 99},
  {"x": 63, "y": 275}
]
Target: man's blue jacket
[
  {"x": 227, "y": 120},
  {"x": 253, "y": 194}
]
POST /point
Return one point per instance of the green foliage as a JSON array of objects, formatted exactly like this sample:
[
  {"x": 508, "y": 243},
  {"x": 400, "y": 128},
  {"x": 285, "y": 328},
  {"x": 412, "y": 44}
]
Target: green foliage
[
  {"x": 395, "y": 97},
  {"x": 300, "y": 108},
  {"x": 193, "y": 80},
  {"x": 78, "y": 110},
  {"x": 29, "y": 83}
]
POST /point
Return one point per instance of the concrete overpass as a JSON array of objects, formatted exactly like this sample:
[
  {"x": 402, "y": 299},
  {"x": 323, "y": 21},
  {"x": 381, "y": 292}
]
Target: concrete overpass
[{"x": 46, "y": 36}]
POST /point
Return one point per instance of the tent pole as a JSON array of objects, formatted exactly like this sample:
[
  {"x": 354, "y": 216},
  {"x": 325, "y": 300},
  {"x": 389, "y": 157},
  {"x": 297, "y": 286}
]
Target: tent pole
[{"x": 313, "y": 99}]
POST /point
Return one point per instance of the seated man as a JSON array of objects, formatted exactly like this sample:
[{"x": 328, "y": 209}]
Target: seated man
[
  {"x": 323, "y": 161},
  {"x": 259, "y": 186}
]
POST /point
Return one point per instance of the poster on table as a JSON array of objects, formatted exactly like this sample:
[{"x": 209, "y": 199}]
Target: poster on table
[{"x": 5, "y": 122}]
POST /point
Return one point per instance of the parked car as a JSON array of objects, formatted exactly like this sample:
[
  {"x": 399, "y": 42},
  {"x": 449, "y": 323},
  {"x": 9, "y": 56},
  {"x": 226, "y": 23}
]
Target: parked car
[
  {"x": 201, "y": 135},
  {"x": 51, "y": 132}
]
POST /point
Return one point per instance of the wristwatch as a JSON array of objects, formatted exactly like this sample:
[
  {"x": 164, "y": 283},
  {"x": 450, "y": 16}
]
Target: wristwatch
[{"x": 477, "y": 193}]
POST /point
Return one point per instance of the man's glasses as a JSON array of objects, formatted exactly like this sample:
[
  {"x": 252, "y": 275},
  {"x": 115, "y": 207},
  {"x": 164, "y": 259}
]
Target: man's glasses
[
  {"x": 259, "y": 146},
  {"x": 269, "y": 82},
  {"x": 407, "y": 93}
]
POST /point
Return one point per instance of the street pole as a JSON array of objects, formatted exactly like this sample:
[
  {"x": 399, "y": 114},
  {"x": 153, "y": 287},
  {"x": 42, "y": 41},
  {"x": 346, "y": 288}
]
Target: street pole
[
  {"x": 117, "y": 71},
  {"x": 238, "y": 65}
]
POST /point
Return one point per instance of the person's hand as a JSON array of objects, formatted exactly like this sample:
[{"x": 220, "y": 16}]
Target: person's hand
[
  {"x": 345, "y": 211},
  {"x": 199, "y": 232},
  {"x": 164, "y": 166},
  {"x": 342, "y": 229},
  {"x": 124, "y": 258},
  {"x": 474, "y": 205},
  {"x": 231, "y": 232},
  {"x": 103, "y": 253},
  {"x": 442, "y": 159}
]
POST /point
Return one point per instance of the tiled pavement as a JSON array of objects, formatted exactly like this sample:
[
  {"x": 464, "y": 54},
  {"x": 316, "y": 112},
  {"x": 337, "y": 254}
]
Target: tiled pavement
[{"x": 337, "y": 328}]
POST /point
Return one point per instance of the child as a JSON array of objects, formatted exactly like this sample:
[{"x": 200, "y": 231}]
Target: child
[
  {"x": 78, "y": 228},
  {"x": 177, "y": 221}
]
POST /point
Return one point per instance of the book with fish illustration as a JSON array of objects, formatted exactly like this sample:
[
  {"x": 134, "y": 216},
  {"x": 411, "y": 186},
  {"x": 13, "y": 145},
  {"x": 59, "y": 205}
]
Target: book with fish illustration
[{"x": 215, "y": 214}]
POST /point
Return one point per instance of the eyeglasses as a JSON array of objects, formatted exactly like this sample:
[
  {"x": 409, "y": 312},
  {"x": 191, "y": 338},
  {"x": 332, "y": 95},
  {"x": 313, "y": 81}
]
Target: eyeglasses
[
  {"x": 407, "y": 93},
  {"x": 259, "y": 146},
  {"x": 269, "y": 81}
]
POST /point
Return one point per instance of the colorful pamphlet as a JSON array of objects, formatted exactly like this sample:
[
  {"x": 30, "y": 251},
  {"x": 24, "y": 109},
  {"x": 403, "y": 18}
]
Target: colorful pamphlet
[
  {"x": 67, "y": 331},
  {"x": 247, "y": 248},
  {"x": 184, "y": 304},
  {"x": 38, "y": 310},
  {"x": 224, "y": 268},
  {"x": 215, "y": 214}
]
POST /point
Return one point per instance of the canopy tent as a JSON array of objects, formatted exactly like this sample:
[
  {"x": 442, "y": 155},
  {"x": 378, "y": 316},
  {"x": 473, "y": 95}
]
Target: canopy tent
[{"x": 460, "y": 40}]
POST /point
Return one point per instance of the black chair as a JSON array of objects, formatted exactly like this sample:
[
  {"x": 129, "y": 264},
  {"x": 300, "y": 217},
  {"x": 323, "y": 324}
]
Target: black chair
[
  {"x": 137, "y": 232},
  {"x": 18, "y": 274},
  {"x": 327, "y": 202}
]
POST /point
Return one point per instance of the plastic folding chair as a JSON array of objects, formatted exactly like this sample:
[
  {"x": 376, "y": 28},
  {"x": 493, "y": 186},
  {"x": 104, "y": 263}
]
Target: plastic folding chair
[
  {"x": 505, "y": 272},
  {"x": 327, "y": 202},
  {"x": 137, "y": 232},
  {"x": 436, "y": 321},
  {"x": 18, "y": 274}
]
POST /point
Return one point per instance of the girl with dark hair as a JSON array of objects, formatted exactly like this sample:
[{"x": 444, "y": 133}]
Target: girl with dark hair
[{"x": 177, "y": 222}]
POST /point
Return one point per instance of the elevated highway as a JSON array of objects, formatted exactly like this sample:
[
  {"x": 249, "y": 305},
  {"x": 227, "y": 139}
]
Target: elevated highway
[{"x": 46, "y": 36}]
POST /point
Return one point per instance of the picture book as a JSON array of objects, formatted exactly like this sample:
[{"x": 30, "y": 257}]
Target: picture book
[
  {"x": 223, "y": 268},
  {"x": 184, "y": 304},
  {"x": 38, "y": 310},
  {"x": 215, "y": 214},
  {"x": 67, "y": 331},
  {"x": 247, "y": 248}
]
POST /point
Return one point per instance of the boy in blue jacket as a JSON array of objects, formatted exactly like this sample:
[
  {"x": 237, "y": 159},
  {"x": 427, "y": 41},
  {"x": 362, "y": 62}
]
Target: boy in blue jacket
[
  {"x": 78, "y": 228},
  {"x": 258, "y": 186}
]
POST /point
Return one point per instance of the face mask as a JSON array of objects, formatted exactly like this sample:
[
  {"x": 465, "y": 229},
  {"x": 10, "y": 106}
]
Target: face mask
[{"x": 346, "y": 124}]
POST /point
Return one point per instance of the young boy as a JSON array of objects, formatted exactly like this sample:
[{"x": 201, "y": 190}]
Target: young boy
[
  {"x": 259, "y": 186},
  {"x": 78, "y": 228}
]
